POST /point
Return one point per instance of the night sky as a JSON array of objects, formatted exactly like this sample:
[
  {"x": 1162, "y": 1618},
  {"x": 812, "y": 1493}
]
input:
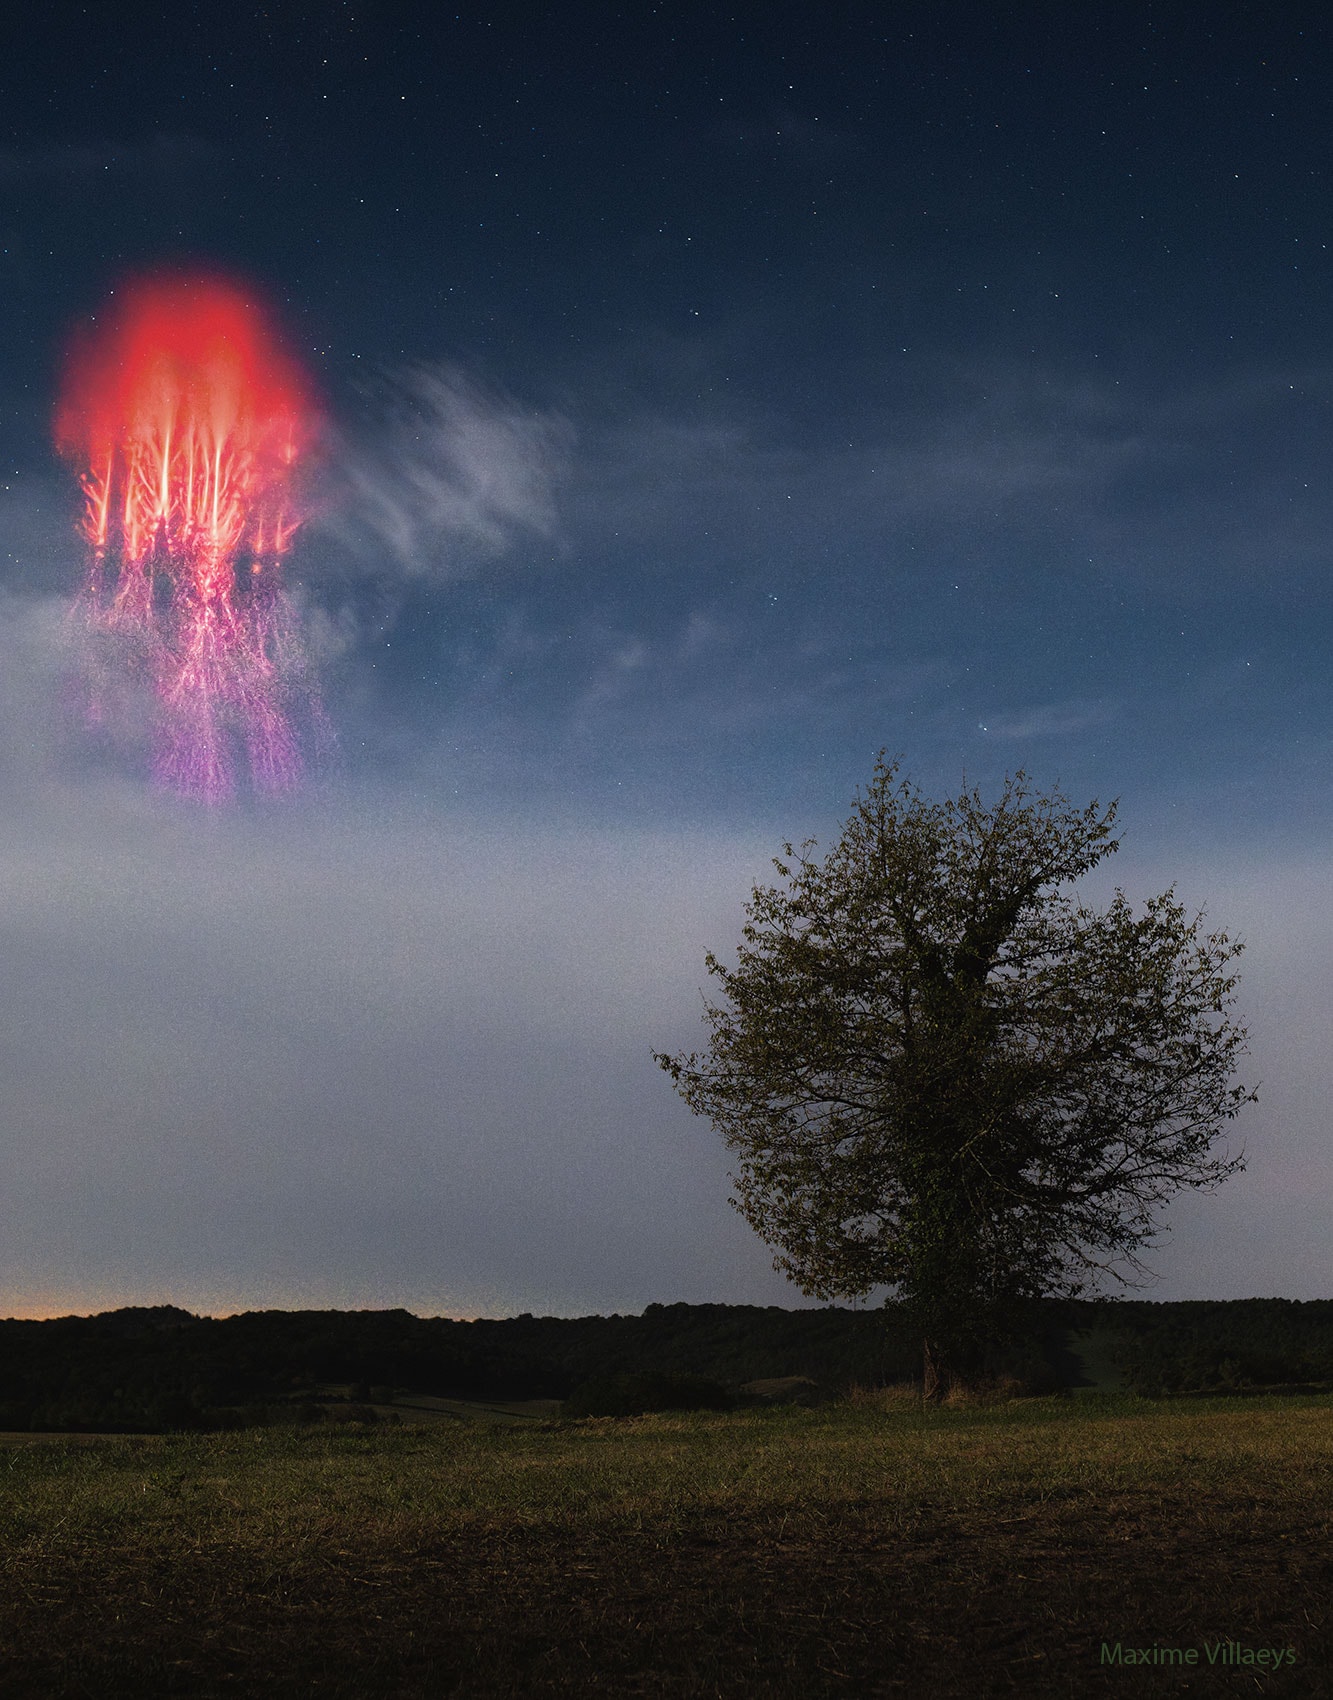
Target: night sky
[{"x": 715, "y": 397}]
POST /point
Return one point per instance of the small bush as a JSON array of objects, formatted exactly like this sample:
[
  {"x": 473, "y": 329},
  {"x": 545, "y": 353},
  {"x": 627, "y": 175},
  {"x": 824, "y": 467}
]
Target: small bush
[{"x": 631, "y": 1395}]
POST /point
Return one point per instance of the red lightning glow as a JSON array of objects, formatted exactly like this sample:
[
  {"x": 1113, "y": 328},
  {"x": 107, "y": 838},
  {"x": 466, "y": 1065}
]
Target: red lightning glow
[{"x": 188, "y": 424}]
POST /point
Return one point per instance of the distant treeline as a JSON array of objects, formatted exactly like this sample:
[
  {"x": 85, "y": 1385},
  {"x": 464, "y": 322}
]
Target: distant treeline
[
  {"x": 148, "y": 1369},
  {"x": 162, "y": 1368},
  {"x": 1205, "y": 1346}
]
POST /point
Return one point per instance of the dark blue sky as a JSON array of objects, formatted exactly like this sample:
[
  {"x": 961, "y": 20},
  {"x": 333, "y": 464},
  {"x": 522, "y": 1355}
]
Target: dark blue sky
[{"x": 715, "y": 397}]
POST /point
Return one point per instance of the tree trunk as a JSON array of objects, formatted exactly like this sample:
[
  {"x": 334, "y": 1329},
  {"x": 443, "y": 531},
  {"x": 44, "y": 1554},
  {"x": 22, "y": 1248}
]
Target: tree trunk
[
  {"x": 950, "y": 1362},
  {"x": 935, "y": 1377}
]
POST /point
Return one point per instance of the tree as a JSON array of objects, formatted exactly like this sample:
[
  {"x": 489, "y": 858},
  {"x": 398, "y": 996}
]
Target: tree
[{"x": 946, "y": 1075}]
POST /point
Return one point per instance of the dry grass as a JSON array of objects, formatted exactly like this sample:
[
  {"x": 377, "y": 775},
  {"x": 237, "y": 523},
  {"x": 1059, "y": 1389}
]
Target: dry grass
[{"x": 870, "y": 1548}]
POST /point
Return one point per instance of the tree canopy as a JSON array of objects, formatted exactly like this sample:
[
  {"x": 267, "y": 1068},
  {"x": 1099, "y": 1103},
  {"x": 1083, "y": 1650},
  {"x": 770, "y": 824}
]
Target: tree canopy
[{"x": 945, "y": 1074}]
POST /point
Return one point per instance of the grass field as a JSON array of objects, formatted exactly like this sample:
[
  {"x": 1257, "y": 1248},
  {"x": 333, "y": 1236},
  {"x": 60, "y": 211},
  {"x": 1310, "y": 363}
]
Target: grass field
[{"x": 870, "y": 1548}]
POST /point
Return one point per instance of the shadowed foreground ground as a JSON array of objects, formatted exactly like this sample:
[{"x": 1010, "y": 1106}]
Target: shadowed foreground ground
[{"x": 846, "y": 1551}]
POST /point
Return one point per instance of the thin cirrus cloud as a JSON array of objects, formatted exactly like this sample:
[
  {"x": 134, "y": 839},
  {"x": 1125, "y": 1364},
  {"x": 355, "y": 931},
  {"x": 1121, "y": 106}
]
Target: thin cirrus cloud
[
  {"x": 445, "y": 476},
  {"x": 1010, "y": 448},
  {"x": 1048, "y": 720},
  {"x": 1000, "y": 442}
]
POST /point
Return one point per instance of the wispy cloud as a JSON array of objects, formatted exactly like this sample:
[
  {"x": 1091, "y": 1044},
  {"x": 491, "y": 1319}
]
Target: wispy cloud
[
  {"x": 1048, "y": 720},
  {"x": 1001, "y": 443},
  {"x": 445, "y": 475}
]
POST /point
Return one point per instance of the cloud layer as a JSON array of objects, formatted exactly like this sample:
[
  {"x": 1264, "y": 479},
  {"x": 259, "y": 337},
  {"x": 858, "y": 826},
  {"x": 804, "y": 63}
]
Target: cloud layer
[{"x": 314, "y": 1058}]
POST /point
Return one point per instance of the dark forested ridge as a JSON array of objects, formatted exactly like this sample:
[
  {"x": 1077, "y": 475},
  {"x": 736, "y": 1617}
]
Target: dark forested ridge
[
  {"x": 163, "y": 1368},
  {"x": 1209, "y": 1346}
]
